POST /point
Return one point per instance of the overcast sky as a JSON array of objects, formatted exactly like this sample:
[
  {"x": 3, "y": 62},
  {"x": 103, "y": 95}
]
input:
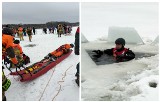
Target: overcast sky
[{"x": 32, "y": 12}]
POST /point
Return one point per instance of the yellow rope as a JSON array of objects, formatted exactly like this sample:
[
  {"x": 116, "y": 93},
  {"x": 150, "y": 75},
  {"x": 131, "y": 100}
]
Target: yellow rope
[{"x": 61, "y": 81}]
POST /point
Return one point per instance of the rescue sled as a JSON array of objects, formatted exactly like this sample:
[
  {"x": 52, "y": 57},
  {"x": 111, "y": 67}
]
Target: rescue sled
[{"x": 37, "y": 69}]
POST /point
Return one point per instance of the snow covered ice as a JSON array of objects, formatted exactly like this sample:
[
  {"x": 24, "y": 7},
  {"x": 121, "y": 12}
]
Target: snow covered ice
[
  {"x": 83, "y": 39},
  {"x": 156, "y": 41},
  {"x": 36, "y": 89}
]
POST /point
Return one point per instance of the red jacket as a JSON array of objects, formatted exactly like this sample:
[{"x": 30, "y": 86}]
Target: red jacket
[
  {"x": 118, "y": 53},
  {"x": 77, "y": 30}
]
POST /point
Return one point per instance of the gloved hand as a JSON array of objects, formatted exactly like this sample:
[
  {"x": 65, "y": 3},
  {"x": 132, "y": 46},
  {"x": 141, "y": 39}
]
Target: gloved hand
[
  {"x": 98, "y": 53},
  {"x": 8, "y": 61},
  {"x": 49, "y": 55}
]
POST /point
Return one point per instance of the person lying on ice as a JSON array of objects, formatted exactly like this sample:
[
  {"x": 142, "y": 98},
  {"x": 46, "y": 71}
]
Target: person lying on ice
[
  {"x": 59, "y": 52},
  {"x": 120, "y": 53}
]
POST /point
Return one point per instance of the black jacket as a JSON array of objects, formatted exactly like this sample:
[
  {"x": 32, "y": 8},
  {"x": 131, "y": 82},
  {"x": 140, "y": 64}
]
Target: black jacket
[
  {"x": 76, "y": 50},
  {"x": 129, "y": 55}
]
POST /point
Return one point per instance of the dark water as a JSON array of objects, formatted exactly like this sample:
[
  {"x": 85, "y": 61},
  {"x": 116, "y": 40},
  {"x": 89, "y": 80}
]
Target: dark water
[{"x": 105, "y": 59}]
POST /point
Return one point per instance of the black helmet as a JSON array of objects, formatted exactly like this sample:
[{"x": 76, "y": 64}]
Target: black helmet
[
  {"x": 72, "y": 45},
  {"x": 16, "y": 42},
  {"x": 7, "y": 31},
  {"x": 120, "y": 41}
]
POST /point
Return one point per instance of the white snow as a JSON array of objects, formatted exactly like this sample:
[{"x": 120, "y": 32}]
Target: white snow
[
  {"x": 83, "y": 39},
  {"x": 103, "y": 38},
  {"x": 135, "y": 85},
  {"x": 156, "y": 41},
  {"x": 129, "y": 34},
  {"x": 41, "y": 88}
]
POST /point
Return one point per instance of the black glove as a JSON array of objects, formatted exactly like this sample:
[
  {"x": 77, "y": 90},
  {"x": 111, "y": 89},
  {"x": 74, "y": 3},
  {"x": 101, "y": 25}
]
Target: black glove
[
  {"x": 50, "y": 55},
  {"x": 7, "y": 60},
  {"x": 98, "y": 53}
]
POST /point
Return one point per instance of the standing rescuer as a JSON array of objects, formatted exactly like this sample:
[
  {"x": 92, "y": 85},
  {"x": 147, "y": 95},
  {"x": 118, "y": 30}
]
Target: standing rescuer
[
  {"x": 7, "y": 50},
  {"x": 119, "y": 53},
  {"x": 76, "y": 51},
  {"x": 29, "y": 32},
  {"x": 60, "y": 30},
  {"x": 20, "y": 32}
]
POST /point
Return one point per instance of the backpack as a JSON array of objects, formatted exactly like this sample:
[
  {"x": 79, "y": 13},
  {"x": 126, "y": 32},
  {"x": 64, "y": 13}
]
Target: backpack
[{"x": 26, "y": 59}]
